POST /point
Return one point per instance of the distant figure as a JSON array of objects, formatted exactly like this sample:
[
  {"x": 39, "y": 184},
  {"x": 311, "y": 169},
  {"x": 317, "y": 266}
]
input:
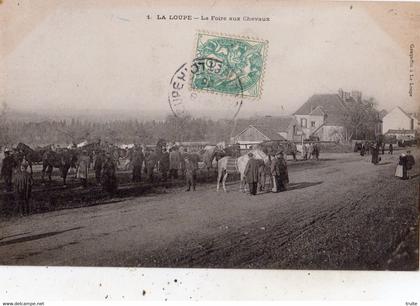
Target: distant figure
[
  {"x": 375, "y": 154},
  {"x": 391, "y": 149},
  {"x": 190, "y": 173},
  {"x": 316, "y": 151},
  {"x": 383, "y": 148},
  {"x": 174, "y": 160},
  {"x": 109, "y": 177},
  {"x": 279, "y": 173},
  {"x": 251, "y": 174},
  {"x": 401, "y": 170},
  {"x": 98, "y": 165},
  {"x": 164, "y": 164},
  {"x": 410, "y": 162},
  {"x": 311, "y": 151},
  {"x": 23, "y": 187},
  {"x": 7, "y": 169},
  {"x": 283, "y": 175},
  {"x": 264, "y": 171},
  {"x": 293, "y": 151},
  {"x": 83, "y": 168},
  {"x": 137, "y": 159},
  {"x": 181, "y": 166},
  {"x": 363, "y": 149},
  {"x": 304, "y": 152},
  {"x": 150, "y": 166}
]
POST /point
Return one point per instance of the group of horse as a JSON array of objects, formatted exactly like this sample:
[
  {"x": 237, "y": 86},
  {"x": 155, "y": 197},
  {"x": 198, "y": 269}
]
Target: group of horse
[{"x": 225, "y": 159}]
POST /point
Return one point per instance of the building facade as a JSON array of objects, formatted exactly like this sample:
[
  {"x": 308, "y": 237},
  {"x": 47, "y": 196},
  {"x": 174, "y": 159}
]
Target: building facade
[{"x": 398, "y": 119}]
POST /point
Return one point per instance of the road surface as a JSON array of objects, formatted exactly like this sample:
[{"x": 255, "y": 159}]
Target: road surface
[{"x": 339, "y": 213}]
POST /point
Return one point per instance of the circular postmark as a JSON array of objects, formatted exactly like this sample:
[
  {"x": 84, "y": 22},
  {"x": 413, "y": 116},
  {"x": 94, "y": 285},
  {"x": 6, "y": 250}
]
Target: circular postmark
[{"x": 207, "y": 72}]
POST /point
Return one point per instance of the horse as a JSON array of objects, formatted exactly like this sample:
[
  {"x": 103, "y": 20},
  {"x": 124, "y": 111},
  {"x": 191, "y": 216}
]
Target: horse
[
  {"x": 62, "y": 160},
  {"x": 230, "y": 164},
  {"x": 271, "y": 147}
]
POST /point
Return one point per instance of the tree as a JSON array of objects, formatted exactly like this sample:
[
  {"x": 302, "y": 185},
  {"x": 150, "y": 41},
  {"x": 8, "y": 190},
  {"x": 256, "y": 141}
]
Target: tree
[{"x": 361, "y": 119}]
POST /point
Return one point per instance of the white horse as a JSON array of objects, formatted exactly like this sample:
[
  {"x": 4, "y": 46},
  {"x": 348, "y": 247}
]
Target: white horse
[{"x": 229, "y": 164}]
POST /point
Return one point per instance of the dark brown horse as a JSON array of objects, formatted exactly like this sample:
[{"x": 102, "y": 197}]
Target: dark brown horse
[{"x": 62, "y": 160}]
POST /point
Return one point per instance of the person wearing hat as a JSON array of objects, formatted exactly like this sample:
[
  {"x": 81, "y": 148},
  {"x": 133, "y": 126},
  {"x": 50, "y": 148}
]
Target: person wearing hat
[
  {"x": 23, "y": 186},
  {"x": 7, "y": 169},
  {"x": 279, "y": 173},
  {"x": 83, "y": 168},
  {"x": 251, "y": 174}
]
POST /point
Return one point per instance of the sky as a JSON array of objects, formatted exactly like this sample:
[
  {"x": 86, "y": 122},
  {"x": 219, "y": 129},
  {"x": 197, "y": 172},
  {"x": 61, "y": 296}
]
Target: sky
[{"x": 75, "y": 57}]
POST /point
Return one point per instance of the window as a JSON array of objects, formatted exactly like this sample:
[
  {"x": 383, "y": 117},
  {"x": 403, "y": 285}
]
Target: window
[
  {"x": 313, "y": 124},
  {"x": 303, "y": 122}
]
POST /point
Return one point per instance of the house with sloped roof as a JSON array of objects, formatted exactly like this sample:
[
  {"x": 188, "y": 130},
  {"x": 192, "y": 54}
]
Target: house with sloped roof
[
  {"x": 399, "y": 120},
  {"x": 274, "y": 128},
  {"x": 323, "y": 115}
]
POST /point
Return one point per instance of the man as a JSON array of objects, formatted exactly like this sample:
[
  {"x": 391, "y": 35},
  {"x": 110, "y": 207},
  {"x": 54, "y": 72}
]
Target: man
[
  {"x": 23, "y": 186},
  {"x": 164, "y": 164},
  {"x": 137, "y": 159},
  {"x": 174, "y": 160},
  {"x": 375, "y": 154},
  {"x": 383, "y": 148},
  {"x": 190, "y": 172},
  {"x": 264, "y": 170},
  {"x": 391, "y": 149},
  {"x": 98, "y": 165},
  {"x": 363, "y": 149},
  {"x": 293, "y": 150},
  {"x": 316, "y": 151},
  {"x": 150, "y": 166},
  {"x": 410, "y": 162},
  {"x": 109, "y": 178},
  {"x": 251, "y": 174},
  {"x": 83, "y": 168},
  {"x": 7, "y": 169},
  {"x": 279, "y": 172},
  {"x": 181, "y": 161}
]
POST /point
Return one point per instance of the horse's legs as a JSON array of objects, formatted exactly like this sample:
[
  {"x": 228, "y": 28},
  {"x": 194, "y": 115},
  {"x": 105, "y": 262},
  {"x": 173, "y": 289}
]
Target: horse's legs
[{"x": 224, "y": 181}]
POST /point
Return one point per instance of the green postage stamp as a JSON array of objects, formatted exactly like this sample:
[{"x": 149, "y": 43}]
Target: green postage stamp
[{"x": 229, "y": 65}]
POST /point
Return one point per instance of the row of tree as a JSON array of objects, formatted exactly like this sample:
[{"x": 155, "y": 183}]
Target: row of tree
[{"x": 127, "y": 131}]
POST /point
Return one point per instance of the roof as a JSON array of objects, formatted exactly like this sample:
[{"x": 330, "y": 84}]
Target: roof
[
  {"x": 274, "y": 123},
  {"x": 330, "y": 104},
  {"x": 403, "y": 132},
  {"x": 268, "y": 132},
  {"x": 318, "y": 111}
]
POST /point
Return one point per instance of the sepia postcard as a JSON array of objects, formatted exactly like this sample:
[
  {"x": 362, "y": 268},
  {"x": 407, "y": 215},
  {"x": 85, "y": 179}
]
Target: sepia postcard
[{"x": 223, "y": 134}]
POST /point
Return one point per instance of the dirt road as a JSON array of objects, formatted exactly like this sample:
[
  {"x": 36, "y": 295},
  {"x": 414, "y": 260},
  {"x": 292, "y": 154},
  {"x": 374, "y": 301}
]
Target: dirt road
[{"x": 339, "y": 213}]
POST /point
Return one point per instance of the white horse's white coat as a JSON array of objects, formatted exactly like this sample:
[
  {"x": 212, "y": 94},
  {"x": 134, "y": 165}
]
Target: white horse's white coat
[{"x": 241, "y": 163}]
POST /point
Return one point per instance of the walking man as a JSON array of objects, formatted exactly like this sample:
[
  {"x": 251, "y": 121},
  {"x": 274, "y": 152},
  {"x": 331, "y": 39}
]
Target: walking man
[{"x": 251, "y": 174}]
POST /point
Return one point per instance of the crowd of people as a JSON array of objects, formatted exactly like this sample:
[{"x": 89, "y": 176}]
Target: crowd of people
[
  {"x": 310, "y": 151},
  {"x": 171, "y": 163}
]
